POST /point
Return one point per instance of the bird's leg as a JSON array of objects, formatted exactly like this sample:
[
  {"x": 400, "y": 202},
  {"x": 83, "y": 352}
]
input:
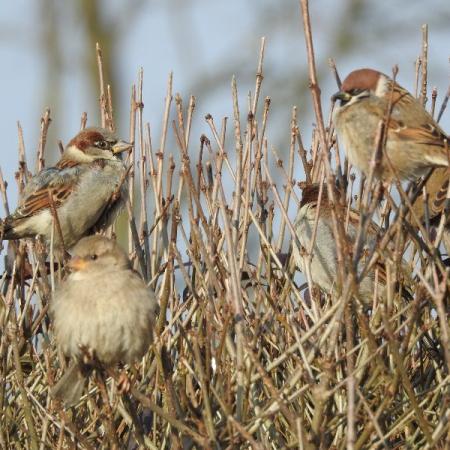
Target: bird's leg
[
  {"x": 123, "y": 383},
  {"x": 88, "y": 357}
]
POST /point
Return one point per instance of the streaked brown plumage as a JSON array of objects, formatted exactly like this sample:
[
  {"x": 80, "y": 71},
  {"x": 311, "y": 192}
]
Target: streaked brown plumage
[
  {"x": 80, "y": 187},
  {"x": 436, "y": 187},
  {"x": 414, "y": 141}
]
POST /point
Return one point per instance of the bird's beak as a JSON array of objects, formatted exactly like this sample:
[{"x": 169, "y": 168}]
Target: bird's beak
[
  {"x": 341, "y": 95},
  {"x": 76, "y": 263},
  {"x": 121, "y": 146}
]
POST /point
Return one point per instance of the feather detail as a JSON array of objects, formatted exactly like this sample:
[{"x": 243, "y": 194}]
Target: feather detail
[
  {"x": 70, "y": 387},
  {"x": 436, "y": 188},
  {"x": 40, "y": 200},
  {"x": 425, "y": 134},
  {"x": 66, "y": 163}
]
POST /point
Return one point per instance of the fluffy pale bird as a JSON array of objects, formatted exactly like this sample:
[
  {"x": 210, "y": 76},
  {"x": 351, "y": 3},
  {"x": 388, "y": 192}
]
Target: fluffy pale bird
[{"x": 103, "y": 309}]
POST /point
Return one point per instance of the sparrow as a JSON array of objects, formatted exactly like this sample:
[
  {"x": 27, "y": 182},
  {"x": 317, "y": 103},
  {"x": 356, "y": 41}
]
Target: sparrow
[
  {"x": 414, "y": 140},
  {"x": 102, "y": 309},
  {"x": 324, "y": 259},
  {"x": 85, "y": 189}
]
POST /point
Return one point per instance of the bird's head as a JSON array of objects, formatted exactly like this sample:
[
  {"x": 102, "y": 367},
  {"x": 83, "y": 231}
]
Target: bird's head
[
  {"x": 361, "y": 84},
  {"x": 95, "y": 143},
  {"x": 96, "y": 254}
]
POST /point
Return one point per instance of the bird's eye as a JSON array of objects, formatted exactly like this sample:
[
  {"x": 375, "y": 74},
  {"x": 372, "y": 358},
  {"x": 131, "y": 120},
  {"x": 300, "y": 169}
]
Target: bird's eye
[
  {"x": 353, "y": 92},
  {"x": 101, "y": 144},
  {"x": 94, "y": 257}
]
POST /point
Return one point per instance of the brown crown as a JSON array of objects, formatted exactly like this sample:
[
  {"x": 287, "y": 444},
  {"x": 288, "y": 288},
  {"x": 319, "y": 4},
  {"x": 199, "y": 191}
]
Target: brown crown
[
  {"x": 310, "y": 194},
  {"x": 361, "y": 79},
  {"x": 86, "y": 138}
]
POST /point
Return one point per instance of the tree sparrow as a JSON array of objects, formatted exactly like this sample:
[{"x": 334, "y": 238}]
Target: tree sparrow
[
  {"x": 324, "y": 258},
  {"x": 104, "y": 309},
  {"x": 80, "y": 187},
  {"x": 414, "y": 141}
]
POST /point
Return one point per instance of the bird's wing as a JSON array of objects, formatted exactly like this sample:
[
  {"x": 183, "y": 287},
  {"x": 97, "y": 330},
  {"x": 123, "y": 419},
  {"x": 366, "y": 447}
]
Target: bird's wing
[
  {"x": 425, "y": 133},
  {"x": 50, "y": 186},
  {"x": 436, "y": 188}
]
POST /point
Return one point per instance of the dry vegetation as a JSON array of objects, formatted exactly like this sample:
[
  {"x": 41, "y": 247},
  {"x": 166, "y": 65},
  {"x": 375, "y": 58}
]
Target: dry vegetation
[{"x": 245, "y": 355}]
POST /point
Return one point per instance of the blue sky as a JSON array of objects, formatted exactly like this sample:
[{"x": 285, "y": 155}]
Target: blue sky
[{"x": 198, "y": 40}]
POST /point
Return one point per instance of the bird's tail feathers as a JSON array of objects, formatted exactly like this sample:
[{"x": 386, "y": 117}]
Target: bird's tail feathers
[{"x": 70, "y": 387}]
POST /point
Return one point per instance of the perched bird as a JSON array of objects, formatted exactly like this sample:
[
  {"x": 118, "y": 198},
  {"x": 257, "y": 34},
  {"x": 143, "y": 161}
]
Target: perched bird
[
  {"x": 414, "y": 141},
  {"x": 85, "y": 188},
  {"x": 324, "y": 261},
  {"x": 103, "y": 309}
]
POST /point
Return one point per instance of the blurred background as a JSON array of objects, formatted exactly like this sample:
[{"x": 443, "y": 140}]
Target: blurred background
[{"x": 47, "y": 49}]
